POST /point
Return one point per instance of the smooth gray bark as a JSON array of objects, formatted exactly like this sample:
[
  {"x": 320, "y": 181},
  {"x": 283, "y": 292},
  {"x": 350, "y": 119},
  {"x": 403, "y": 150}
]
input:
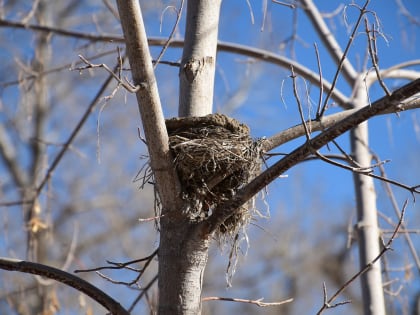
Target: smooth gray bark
[
  {"x": 198, "y": 62},
  {"x": 367, "y": 219},
  {"x": 183, "y": 253},
  {"x": 183, "y": 249},
  {"x": 149, "y": 103}
]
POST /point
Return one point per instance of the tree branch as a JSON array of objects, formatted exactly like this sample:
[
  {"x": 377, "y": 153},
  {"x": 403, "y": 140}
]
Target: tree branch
[
  {"x": 64, "y": 277},
  {"x": 328, "y": 121},
  {"x": 234, "y": 48},
  {"x": 149, "y": 103},
  {"x": 227, "y": 209}
]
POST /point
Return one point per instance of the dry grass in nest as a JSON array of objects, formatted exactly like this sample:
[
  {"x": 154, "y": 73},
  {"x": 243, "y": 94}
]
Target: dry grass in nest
[{"x": 214, "y": 157}]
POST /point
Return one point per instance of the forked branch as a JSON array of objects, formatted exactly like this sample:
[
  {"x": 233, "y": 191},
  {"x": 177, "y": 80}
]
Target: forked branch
[{"x": 227, "y": 209}]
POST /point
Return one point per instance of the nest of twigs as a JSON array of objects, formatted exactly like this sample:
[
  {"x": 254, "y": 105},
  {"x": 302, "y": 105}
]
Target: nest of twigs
[{"x": 214, "y": 157}]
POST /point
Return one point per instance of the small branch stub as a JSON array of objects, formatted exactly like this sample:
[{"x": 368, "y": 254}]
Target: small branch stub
[{"x": 193, "y": 67}]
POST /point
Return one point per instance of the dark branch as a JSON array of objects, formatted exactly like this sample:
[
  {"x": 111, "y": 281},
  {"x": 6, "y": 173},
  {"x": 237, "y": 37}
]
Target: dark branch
[
  {"x": 260, "y": 54},
  {"x": 67, "y": 278},
  {"x": 227, "y": 209}
]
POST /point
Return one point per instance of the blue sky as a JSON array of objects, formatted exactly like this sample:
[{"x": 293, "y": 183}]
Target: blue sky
[{"x": 315, "y": 199}]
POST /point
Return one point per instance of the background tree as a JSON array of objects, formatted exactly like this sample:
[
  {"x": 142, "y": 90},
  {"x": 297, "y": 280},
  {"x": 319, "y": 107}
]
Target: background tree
[{"x": 55, "y": 194}]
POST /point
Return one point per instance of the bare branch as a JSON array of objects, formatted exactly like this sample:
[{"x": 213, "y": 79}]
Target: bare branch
[
  {"x": 289, "y": 5},
  {"x": 225, "y": 210},
  {"x": 371, "y": 37},
  {"x": 121, "y": 265},
  {"x": 64, "y": 277},
  {"x": 328, "y": 121},
  {"x": 296, "y": 94},
  {"x": 340, "y": 57},
  {"x": 321, "y": 85},
  {"x": 62, "y": 32},
  {"x": 149, "y": 104},
  {"x": 178, "y": 18},
  {"x": 404, "y": 229},
  {"x": 260, "y": 54},
  {"x": 67, "y": 66},
  {"x": 413, "y": 19},
  {"x": 258, "y": 302},
  {"x": 126, "y": 84},
  {"x": 344, "y": 66}
]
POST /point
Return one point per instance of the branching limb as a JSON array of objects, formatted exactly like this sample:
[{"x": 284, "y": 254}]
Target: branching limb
[
  {"x": 225, "y": 210},
  {"x": 234, "y": 48},
  {"x": 327, "y": 121},
  {"x": 126, "y": 84},
  {"x": 116, "y": 265},
  {"x": 64, "y": 277},
  {"x": 373, "y": 52},
  {"x": 327, "y": 303}
]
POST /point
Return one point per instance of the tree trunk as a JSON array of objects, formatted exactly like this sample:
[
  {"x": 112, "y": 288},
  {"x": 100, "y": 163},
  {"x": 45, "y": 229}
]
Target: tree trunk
[
  {"x": 198, "y": 62},
  {"x": 183, "y": 250},
  {"x": 183, "y": 256},
  {"x": 367, "y": 221}
]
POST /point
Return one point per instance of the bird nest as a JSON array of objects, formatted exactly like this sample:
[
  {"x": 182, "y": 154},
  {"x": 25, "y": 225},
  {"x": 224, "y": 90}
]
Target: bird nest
[{"x": 214, "y": 156}]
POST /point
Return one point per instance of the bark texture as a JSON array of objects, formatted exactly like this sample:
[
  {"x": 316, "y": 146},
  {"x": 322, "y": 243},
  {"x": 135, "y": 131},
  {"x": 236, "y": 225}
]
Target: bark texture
[
  {"x": 183, "y": 256},
  {"x": 149, "y": 103},
  {"x": 198, "y": 62},
  {"x": 183, "y": 248}
]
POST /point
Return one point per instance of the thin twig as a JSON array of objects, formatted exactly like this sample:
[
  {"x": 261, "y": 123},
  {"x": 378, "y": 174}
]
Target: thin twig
[
  {"x": 404, "y": 230},
  {"x": 258, "y": 302},
  {"x": 289, "y": 5},
  {"x": 371, "y": 37},
  {"x": 119, "y": 265},
  {"x": 144, "y": 291},
  {"x": 171, "y": 35},
  {"x": 321, "y": 86},
  {"x": 226, "y": 209},
  {"x": 67, "y": 66},
  {"x": 126, "y": 84},
  {"x": 296, "y": 94},
  {"x": 344, "y": 56},
  {"x": 15, "y": 203}
]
